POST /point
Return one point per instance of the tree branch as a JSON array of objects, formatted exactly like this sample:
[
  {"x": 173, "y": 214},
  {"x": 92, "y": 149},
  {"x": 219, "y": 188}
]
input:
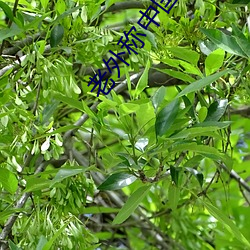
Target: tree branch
[
  {"x": 16, "y": 63},
  {"x": 236, "y": 177}
]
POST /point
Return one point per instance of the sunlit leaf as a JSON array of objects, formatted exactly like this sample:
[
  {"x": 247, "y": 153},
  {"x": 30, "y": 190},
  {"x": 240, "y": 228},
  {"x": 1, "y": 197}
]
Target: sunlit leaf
[
  {"x": 202, "y": 114},
  {"x": 34, "y": 183},
  {"x": 141, "y": 144},
  {"x": 214, "y": 61},
  {"x": 198, "y": 85},
  {"x": 186, "y": 54},
  {"x": 44, "y": 3},
  {"x": 5, "y": 214}
]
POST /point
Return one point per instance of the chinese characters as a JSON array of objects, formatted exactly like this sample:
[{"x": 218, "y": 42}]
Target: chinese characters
[{"x": 129, "y": 45}]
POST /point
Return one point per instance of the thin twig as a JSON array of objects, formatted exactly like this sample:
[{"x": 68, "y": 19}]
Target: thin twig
[
  {"x": 244, "y": 195},
  {"x": 235, "y": 176}
]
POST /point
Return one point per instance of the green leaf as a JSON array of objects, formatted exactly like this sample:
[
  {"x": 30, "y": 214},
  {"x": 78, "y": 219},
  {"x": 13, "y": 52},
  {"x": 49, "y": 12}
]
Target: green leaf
[
  {"x": 41, "y": 243},
  {"x": 173, "y": 196},
  {"x": 245, "y": 2},
  {"x": 186, "y": 54},
  {"x": 193, "y": 132},
  {"x": 57, "y": 131},
  {"x": 223, "y": 41},
  {"x": 244, "y": 45},
  {"x": 207, "y": 46},
  {"x": 198, "y": 85},
  {"x": 150, "y": 36},
  {"x": 8, "y": 180},
  {"x": 98, "y": 210},
  {"x": 132, "y": 203},
  {"x": 188, "y": 105},
  {"x": 198, "y": 175},
  {"x": 204, "y": 150},
  {"x": 194, "y": 161},
  {"x": 13, "y": 246},
  {"x": 19, "y": 20},
  {"x": 143, "y": 81},
  {"x": 9, "y": 32},
  {"x": 227, "y": 223},
  {"x": 108, "y": 3},
  {"x": 177, "y": 74},
  {"x": 128, "y": 108},
  {"x": 49, "y": 244},
  {"x": 214, "y": 61},
  {"x": 158, "y": 97},
  {"x": 106, "y": 102},
  {"x": 7, "y": 10},
  {"x": 9, "y": 211},
  {"x": 117, "y": 181},
  {"x": 49, "y": 110},
  {"x": 216, "y": 110},
  {"x": 56, "y": 35},
  {"x": 66, "y": 172},
  {"x": 189, "y": 68},
  {"x": 202, "y": 114},
  {"x": 35, "y": 184},
  {"x": 70, "y": 101},
  {"x": 36, "y": 21},
  {"x": 44, "y": 3},
  {"x": 237, "y": 32},
  {"x": 219, "y": 125},
  {"x": 174, "y": 172},
  {"x": 166, "y": 117}
]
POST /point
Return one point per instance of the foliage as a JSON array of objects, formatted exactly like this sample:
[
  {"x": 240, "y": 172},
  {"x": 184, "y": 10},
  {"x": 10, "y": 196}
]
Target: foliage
[{"x": 161, "y": 162}]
